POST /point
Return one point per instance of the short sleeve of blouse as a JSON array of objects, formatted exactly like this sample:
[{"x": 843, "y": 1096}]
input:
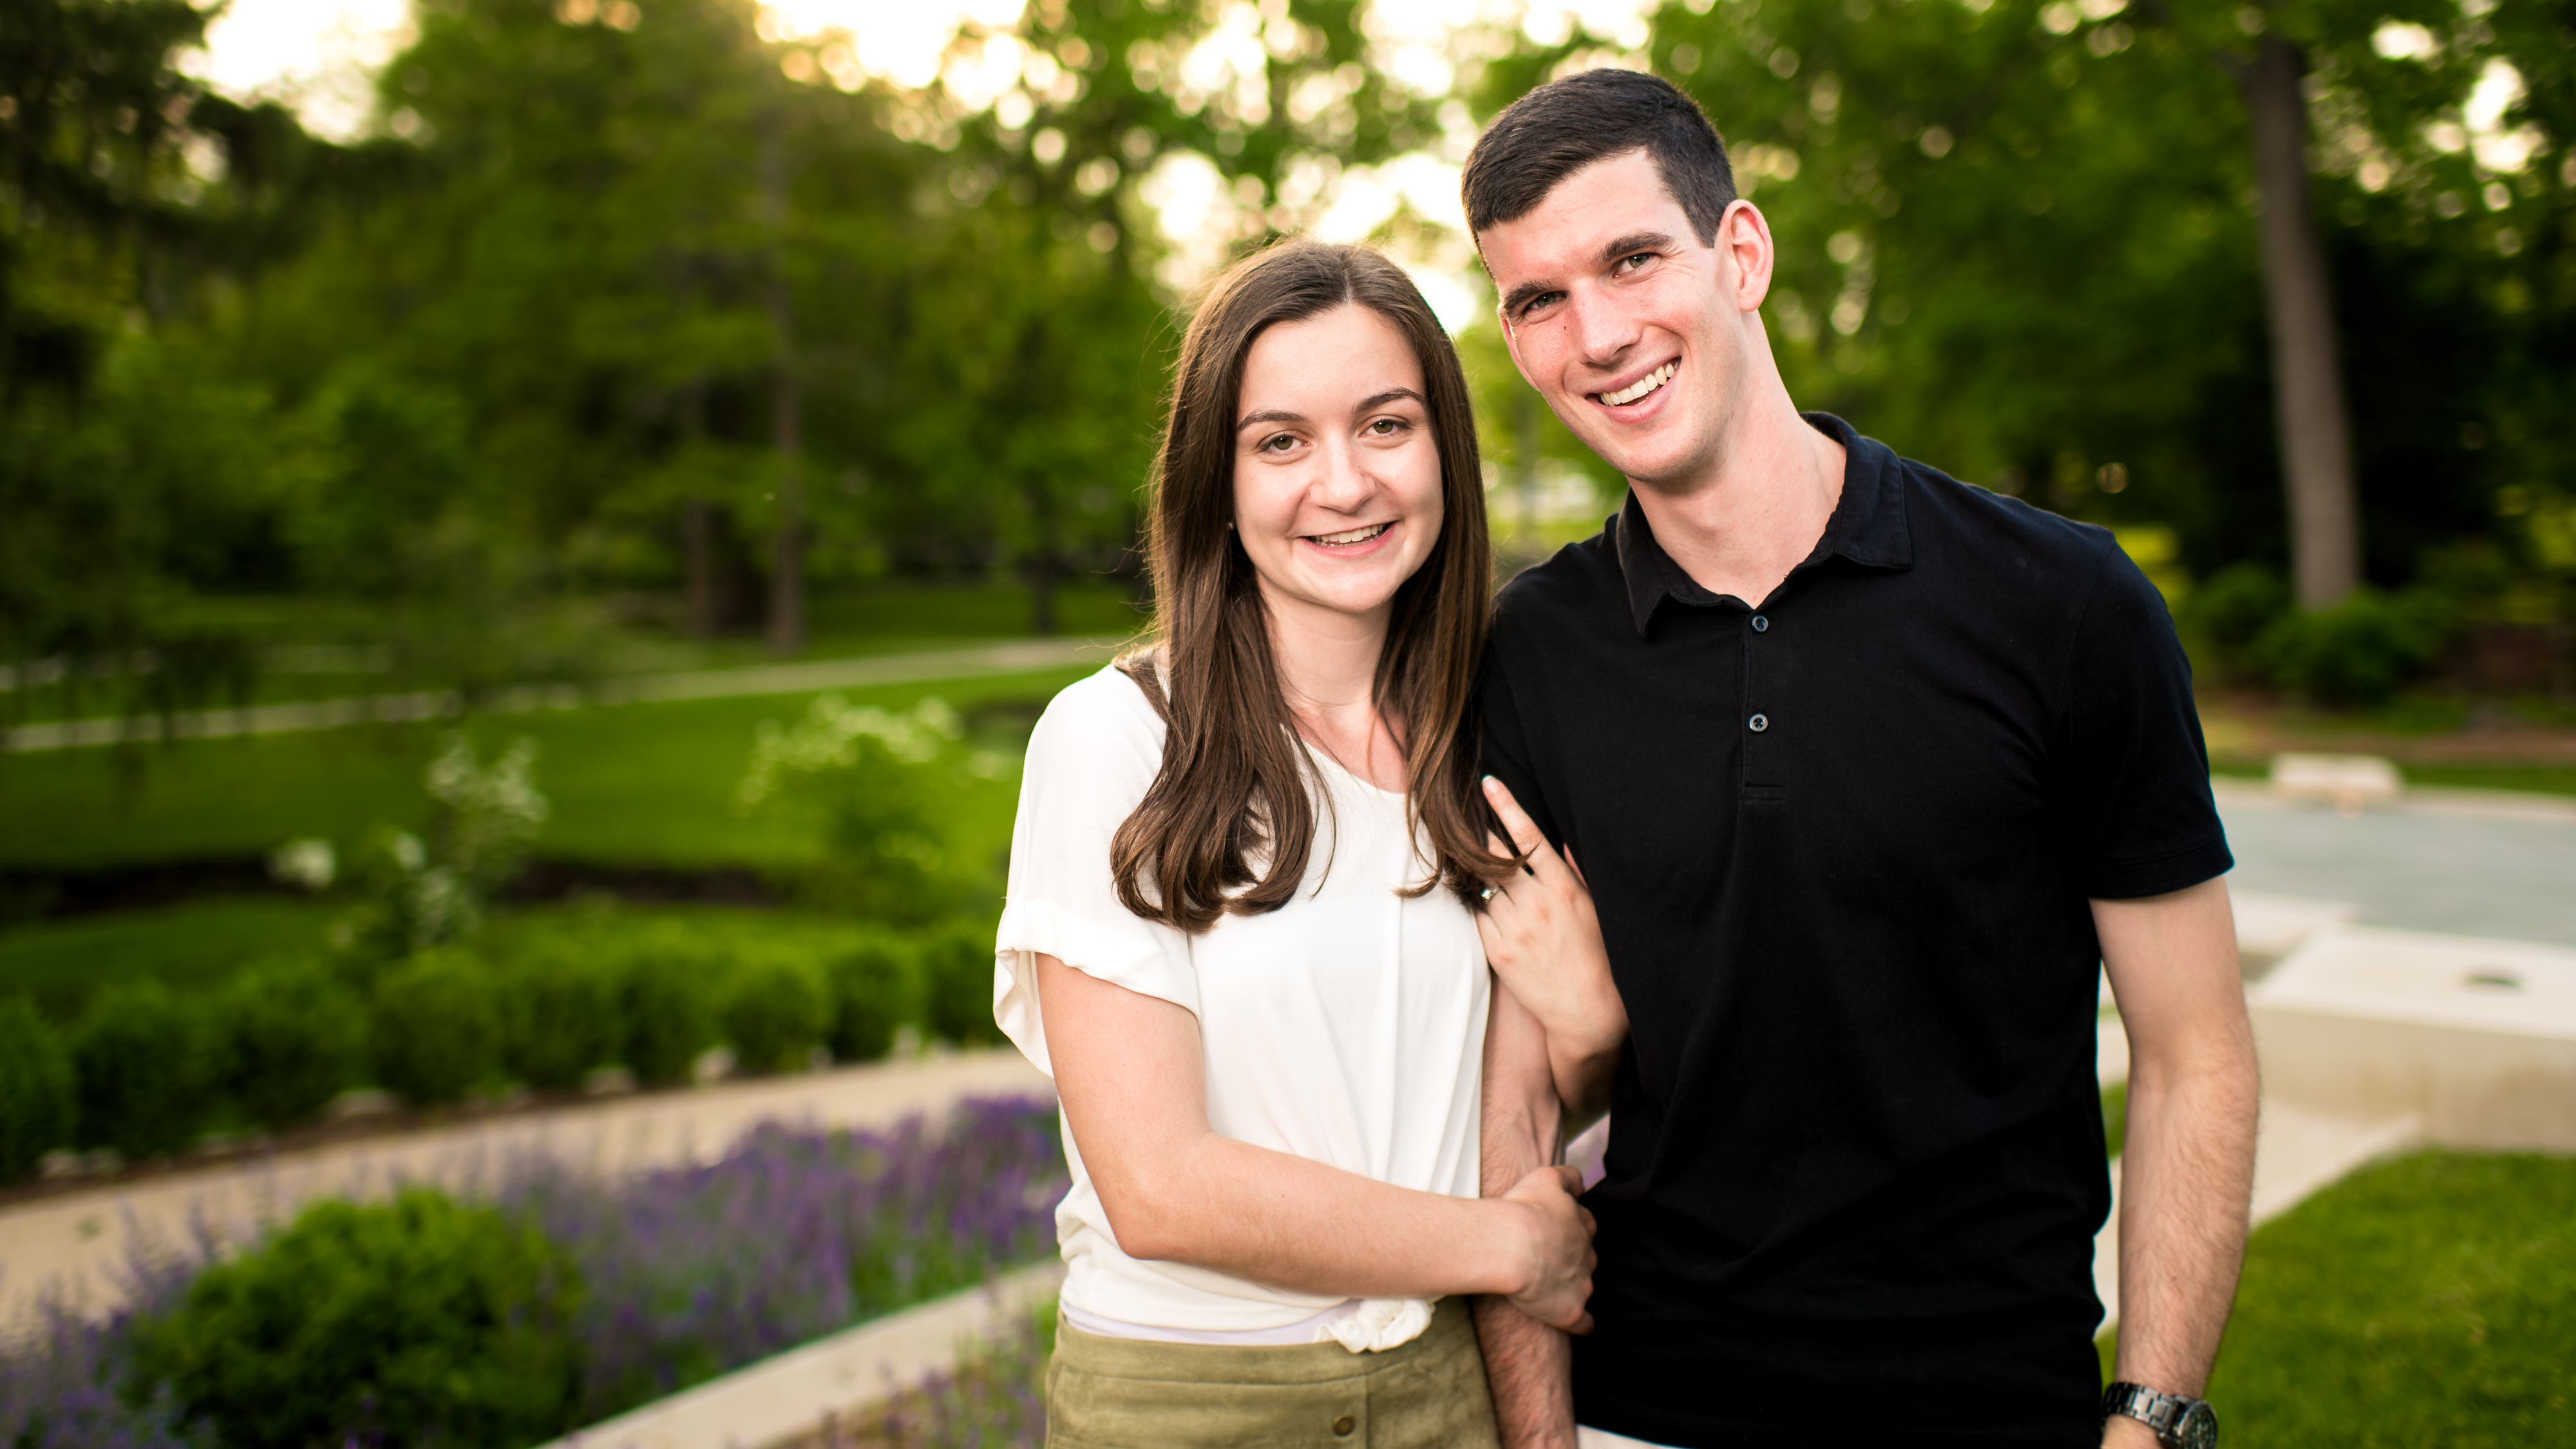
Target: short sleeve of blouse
[{"x": 1094, "y": 753}]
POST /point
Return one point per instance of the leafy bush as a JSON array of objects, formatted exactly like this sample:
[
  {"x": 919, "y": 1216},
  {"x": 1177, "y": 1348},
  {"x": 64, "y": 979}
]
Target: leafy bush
[
  {"x": 438, "y": 1027},
  {"x": 567, "y": 1016},
  {"x": 2355, "y": 653},
  {"x": 147, "y": 1066},
  {"x": 36, "y": 1092},
  {"x": 414, "y": 1322},
  {"x": 777, "y": 1009},
  {"x": 669, "y": 1013},
  {"x": 957, "y": 979},
  {"x": 882, "y": 782},
  {"x": 420, "y": 895},
  {"x": 876, "y": 991},
  {"x": 295, "y": 1036},
  {"x": 2229, "y": 612}
]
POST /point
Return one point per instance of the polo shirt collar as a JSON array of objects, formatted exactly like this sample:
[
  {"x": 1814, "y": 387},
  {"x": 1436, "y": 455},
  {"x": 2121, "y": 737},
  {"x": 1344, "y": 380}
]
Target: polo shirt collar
[{"x": 1867, "y": 527}]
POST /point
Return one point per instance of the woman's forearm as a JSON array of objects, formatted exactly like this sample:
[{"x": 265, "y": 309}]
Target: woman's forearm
[{"x": 1301, "y": 1225}]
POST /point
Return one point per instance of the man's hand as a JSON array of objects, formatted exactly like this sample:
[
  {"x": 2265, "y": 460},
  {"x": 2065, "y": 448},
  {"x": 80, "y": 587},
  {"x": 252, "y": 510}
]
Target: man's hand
[
  {"x": 2187, "y": 1171},
  {"x": 1527, "y": 1363},
  {"x": 1544, "y": 941}
]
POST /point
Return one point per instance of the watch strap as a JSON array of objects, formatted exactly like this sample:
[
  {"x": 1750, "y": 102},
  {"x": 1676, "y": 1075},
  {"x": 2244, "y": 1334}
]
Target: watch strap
[{"x": 2161, "y": 1412}]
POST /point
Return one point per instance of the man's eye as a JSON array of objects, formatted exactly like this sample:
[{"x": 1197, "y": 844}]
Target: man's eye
[
  {"x": 1635, "y": 260},
  {"x": 1543, "y": 299}
]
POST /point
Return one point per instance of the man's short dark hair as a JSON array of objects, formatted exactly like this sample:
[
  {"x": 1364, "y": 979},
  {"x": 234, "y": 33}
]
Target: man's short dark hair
[{"x": 1566, "y": 125}]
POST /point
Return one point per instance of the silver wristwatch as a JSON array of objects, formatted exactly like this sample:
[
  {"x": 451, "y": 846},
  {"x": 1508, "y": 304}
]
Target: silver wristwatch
[{"x": 2179, "y": 1422}]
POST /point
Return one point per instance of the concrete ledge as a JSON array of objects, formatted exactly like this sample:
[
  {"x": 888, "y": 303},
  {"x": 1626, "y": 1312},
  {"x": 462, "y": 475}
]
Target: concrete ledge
[
  {"x": 786, "y": 1397},
  {"x": 2476, "y": 1038}
]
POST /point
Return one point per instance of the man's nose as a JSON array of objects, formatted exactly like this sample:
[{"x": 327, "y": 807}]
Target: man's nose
[{"x": 1602, "y": 330}]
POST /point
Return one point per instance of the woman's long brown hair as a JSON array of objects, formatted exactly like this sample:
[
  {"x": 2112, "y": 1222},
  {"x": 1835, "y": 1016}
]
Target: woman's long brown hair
[{"x": 1228, "y": 824}]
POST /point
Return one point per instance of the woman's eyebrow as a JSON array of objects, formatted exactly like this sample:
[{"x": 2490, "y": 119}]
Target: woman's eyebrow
[
  {"x": 1269, "y": 415},
  {"x": 1381, "y": 399}
]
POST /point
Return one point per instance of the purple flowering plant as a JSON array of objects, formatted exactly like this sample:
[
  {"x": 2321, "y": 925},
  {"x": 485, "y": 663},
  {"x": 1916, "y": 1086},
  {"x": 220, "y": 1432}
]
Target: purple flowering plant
[{"x": 684, "y": 1273}]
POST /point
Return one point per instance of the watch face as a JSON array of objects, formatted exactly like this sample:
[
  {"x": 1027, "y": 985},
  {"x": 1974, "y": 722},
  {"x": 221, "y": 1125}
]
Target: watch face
[{"x": 2198, "y": 1429}]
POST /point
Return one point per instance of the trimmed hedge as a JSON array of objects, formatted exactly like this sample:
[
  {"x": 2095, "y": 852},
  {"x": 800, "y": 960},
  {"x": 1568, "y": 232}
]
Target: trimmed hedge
[
  {"x": 777, "y": 1010},
  {"x": 147, "y": 1065},
  {"x": 957, "y": 978},
  {"x": 438, "y": 1027},
  {"x": 567, "y": 1016},
  {"x": 876, "y": 992},
  {"x": 294, "y": 1036},
  {"x": 36, "y": 1091}
]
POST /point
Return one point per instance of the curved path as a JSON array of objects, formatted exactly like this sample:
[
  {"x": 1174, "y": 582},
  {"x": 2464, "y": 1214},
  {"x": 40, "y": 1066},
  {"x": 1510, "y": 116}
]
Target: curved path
[{"x": 76, "y": 1244}]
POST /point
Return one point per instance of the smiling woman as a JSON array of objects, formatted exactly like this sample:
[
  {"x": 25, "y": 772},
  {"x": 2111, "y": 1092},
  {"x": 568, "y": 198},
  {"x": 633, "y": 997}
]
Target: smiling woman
[{"x": 1225, "y": 935}]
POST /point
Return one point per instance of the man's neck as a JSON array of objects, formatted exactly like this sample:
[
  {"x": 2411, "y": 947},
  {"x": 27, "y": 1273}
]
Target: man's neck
[{"x": 1757, "y": 511}]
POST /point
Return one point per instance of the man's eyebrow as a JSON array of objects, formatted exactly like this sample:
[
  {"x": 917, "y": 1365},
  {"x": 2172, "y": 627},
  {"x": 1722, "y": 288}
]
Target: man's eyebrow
[{"x": 1626, "y": 246}]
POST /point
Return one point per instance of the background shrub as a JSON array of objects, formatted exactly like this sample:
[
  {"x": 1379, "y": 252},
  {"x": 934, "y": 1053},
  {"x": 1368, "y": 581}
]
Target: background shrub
[
  {"x": 437, "y": 1027},
  {"x": 2229, "y": 611},
  {"x": 36, "y": 1091},
  {"x": 147, "y": 1067},
  {"x": 776, "y": 1011},
  {"x": 567, "y": 1015},
  {"x": 669, "y": 1012},
  {"x": 876, "y": 991},
  {"x": 2355, "y": 653},
  {"x": 414, "y": 1322},
  {"x": 957, "y": 979},
  {"x": 294, "y": 1036}
]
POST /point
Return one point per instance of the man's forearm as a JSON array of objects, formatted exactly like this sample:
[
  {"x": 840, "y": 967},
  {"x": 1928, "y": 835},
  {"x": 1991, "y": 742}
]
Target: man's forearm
[
  {"x": 1527, "y": 1363},
  {"x": 2186, "y": 1179}
]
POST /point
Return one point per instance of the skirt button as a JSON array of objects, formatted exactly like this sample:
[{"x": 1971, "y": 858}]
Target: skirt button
[{"x": 1343, "y": 1426}]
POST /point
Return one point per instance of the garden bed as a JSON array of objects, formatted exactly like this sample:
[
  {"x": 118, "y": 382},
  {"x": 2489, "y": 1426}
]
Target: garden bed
[{"x": 552, "y": 1301}]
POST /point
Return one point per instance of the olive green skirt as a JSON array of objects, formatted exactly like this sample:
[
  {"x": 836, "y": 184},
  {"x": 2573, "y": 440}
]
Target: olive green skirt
[{"x": 1126, "y": 1393}]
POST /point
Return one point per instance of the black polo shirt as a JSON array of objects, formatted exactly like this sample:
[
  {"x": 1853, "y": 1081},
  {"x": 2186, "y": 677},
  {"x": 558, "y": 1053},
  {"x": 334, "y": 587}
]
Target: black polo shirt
[{"x": 1842, "y": 844}]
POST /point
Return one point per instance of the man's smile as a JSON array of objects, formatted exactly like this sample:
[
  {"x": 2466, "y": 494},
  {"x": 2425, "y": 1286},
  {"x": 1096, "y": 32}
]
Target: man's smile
[{"x": 1640, "y": 388}]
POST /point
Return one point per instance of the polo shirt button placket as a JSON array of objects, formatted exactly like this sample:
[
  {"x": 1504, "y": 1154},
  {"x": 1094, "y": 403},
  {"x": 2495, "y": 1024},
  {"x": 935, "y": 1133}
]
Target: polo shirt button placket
[{"x": 1758, "y": 723}]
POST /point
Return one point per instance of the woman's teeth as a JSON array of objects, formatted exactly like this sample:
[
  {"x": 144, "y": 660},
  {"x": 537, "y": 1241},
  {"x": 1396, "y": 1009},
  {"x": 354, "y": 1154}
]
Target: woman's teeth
[
  {"x": 1640, "y": 387},
  {"x": 1356, "y": 535}
]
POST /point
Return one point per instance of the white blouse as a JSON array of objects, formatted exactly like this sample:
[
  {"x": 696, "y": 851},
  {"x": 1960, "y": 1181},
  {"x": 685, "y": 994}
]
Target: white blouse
[{"x": 1347, "y": 1026}]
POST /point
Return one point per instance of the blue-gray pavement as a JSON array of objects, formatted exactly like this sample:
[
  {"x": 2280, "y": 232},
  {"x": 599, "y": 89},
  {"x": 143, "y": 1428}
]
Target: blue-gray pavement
[{"x": 2502, "y": 867}]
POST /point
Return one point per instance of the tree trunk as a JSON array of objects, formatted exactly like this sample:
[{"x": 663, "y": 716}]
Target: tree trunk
[
  {"x": 786, "y": 419},
  {"x": 698, "y": 566},
  {"x": 2315, "y": 426}
]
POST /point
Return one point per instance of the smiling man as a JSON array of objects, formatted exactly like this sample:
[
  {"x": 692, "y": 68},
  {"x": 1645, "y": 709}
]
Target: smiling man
[{"x": 1870, "y": 772}]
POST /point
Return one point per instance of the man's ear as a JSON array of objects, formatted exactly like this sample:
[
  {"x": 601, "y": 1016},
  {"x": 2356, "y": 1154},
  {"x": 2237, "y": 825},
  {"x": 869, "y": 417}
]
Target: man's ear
[{"x": 1745, "y": 237}]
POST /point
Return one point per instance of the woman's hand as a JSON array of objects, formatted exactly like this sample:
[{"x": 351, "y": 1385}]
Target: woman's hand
[
  {"x": 1560, "y": 1249},
  {"x": 1543, "y": 940}
]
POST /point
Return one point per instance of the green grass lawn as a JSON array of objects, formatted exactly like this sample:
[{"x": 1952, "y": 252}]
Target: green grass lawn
[
  {"x": 2428, "y": 1301},
  {"x": 2535, "y": 778},
  {"x": 643, "y": 783},
  {"x": 188, "y": 947},
  {"x": 2425, "y": 1301}
]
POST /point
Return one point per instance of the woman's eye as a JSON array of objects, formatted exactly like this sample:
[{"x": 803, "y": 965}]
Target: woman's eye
[
  {"x": 1385, "y": 427},
  {"x": 1279, "y": 443}
]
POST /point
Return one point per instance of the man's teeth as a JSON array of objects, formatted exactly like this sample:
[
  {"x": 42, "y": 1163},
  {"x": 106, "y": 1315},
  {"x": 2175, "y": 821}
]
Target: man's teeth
[
  {"x": 1356, "y": 535},
  {"x": 1640, "y": 387}
]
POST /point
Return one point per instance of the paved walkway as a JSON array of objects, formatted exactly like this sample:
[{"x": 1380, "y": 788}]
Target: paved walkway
[
  {"x": 1015, "y": 657},
  {"x": 2467, "y": 862},
  {"x": 76, "y": 1243}
]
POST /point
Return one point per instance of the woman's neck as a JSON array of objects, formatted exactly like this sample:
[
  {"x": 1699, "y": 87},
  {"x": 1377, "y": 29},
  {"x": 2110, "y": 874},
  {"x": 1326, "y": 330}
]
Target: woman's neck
[{"x": 1327, "y": 661}]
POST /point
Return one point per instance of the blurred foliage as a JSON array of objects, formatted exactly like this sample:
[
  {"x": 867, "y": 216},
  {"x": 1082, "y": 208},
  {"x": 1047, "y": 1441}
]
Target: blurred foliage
[
  {"x": 881, "y": 782},
  {"x": 293, "y": 1036},
  {"x": 37, "y": 1092},
  {"x": 420, "y": 1321},
  {"x": 147, "y": 1061},
  {"x": 437, "y": 1026},
  {"x": 777, "y": 1010},
  {"x": 519, "y": 365}
]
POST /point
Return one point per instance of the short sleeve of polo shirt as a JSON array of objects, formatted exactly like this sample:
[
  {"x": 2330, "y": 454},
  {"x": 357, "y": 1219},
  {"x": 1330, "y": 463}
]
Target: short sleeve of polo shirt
[
  {"x": 2138, "y": 806},
  {"x": 1094, "y": 754}
]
